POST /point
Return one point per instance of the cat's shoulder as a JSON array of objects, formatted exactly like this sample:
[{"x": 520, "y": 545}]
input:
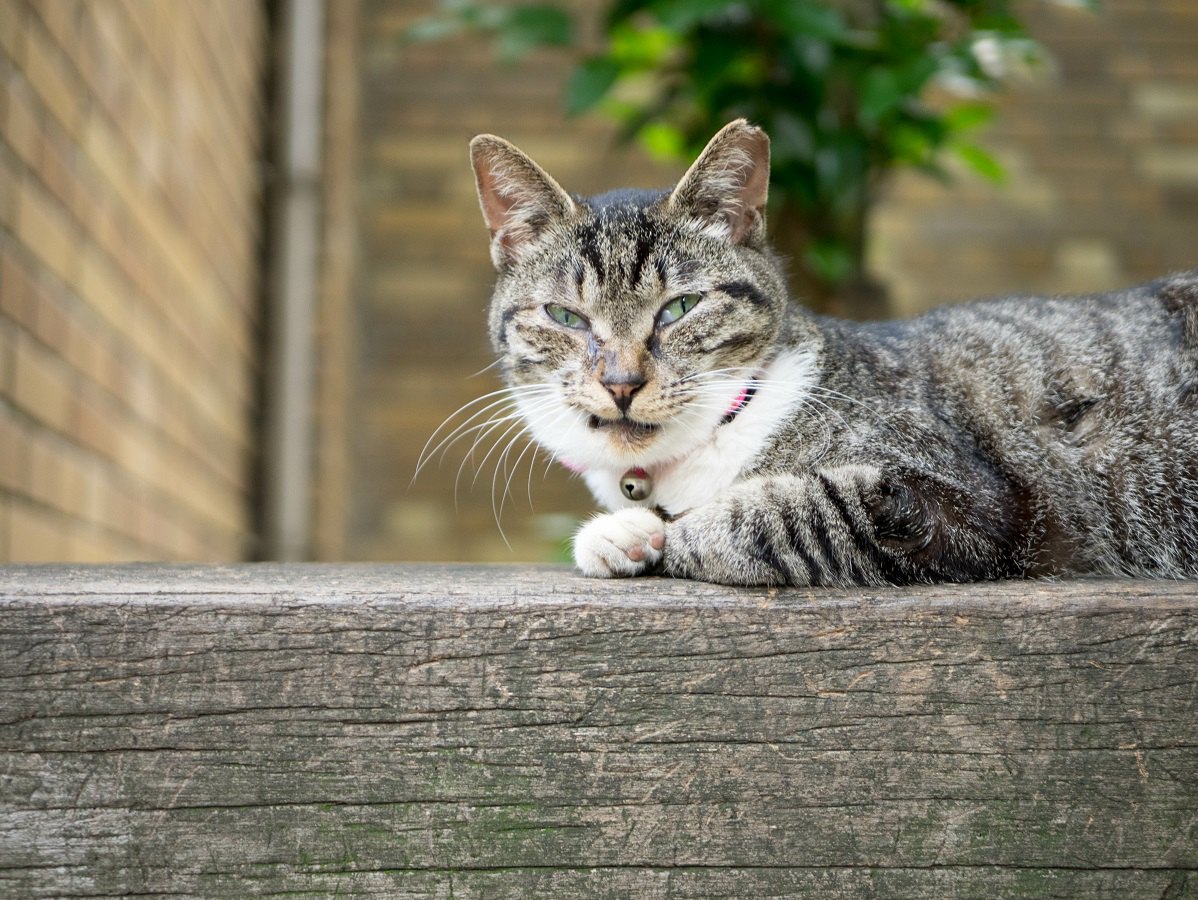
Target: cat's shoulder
[{"x": 1179, "y": 294}]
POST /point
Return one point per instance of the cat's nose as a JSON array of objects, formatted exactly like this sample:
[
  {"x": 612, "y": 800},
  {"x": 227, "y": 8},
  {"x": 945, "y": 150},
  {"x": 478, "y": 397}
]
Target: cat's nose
[{"x": 623, "y": 387}]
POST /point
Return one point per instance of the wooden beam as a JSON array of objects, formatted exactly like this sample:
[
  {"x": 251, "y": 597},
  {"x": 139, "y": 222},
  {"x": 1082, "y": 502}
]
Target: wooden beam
[{"x": 460, "y": 731}]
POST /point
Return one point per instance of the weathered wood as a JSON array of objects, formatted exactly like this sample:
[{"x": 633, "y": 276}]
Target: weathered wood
[{"x": 420, "y": 731}]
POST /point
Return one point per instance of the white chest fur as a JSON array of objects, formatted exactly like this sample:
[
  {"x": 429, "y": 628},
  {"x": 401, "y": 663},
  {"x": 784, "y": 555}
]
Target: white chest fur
[{"x": 706, "y": 472}]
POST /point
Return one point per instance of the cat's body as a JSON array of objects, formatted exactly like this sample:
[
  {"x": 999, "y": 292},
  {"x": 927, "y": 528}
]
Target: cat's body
[{"x": 648, "y": 335}]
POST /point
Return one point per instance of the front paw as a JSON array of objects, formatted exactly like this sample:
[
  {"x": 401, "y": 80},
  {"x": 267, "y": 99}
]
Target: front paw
[{"x": 628, "y": 542}]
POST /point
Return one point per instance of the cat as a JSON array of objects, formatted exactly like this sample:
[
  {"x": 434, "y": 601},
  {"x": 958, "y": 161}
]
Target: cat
[{"x": 649, "y": 344}]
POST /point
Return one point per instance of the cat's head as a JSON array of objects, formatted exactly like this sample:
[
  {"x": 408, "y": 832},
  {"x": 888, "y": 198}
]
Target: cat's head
[{"x": 628, "y": 324}]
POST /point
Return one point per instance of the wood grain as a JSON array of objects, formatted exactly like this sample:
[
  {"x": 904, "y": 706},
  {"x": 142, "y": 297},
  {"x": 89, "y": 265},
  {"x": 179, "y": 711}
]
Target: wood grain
[{"x": 447, "y": 731}]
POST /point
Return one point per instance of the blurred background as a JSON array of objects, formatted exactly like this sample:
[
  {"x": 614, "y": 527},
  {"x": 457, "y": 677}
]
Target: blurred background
[{"x": 243, "y": 276}]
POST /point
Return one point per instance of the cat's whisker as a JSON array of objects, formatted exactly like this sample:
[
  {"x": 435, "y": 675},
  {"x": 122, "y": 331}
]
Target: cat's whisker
[
  {"x": 481, "y": 431},
  {"x": 501, "y": 462},
  {"x": 505, "y": 395},
  {"x": 532, "y": 465},
  {"x": 487, "y": 368},
  {"x": 468, "y": 458},
  {"x": 484, "y": 432},
  {"x": 429, "y": 450},
  {"x": 518, "y": 426},
  {"x": 509, "y": 414},
  {"x": 509, "y": 474}
]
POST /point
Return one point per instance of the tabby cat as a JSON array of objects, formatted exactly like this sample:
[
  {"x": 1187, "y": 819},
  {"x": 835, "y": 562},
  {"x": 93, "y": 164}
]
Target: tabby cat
[{"x": 648, "y": 343}]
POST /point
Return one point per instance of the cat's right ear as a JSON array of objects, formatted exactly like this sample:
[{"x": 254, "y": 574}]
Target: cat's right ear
[
  {"x": 724, "y": 193},
  {"x": 520, "y": 201}
]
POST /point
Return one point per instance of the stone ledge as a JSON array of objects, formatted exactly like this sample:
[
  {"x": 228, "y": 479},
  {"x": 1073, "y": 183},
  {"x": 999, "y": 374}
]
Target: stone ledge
[{"x": 468, "y": 731}]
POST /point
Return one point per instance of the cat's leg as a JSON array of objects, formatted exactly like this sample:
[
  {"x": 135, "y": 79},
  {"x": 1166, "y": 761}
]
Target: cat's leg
[
  {"x": 782, "y": 530},
  {"x": 842, "y": 525},
  {"x": 810, "y": 529},
  {"x": 853, "y": 525},
  {"x": 627, "y": 542}
]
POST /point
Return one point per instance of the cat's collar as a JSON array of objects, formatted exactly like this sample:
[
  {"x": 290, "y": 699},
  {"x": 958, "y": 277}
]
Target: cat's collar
[
  {"x": 739, "y": 404},
  {"x": 637, "y": 484}
]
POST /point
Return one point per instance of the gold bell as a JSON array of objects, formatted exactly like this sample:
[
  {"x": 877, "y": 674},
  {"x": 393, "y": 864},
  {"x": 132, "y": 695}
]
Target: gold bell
[{"x": 636, "y": 484}]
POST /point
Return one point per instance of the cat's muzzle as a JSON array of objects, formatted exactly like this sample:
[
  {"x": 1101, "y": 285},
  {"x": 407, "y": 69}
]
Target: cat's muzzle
[{"x": 628, "y": 429}]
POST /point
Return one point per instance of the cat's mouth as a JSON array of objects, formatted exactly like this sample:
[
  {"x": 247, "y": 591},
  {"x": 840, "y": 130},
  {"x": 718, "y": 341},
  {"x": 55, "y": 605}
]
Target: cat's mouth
[{"x": 625, "y": 429}]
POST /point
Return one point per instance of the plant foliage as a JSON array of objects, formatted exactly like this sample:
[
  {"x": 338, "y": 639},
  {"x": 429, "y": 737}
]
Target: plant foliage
[{"x": 848, "y": 90}]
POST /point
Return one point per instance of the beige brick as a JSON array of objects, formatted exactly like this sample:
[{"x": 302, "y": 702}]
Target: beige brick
[
  {"x": 88, "y": 544},
  {"x": 102, "y": 62},
  {"x": 44, "y": 227},
  {"x": 56, "y": 168},
  {"x": 42, "y": 384},
  {"x": 121, "y": 514},
  {"x": 47, "y": 471},
  {"x": 1087, "y": 264},
  {"x": 22, "y": 120},
  {"x": 17, "y": 291},
  {"x": 5, "y": 514},
  {"x": 1171, "y": 166},
  {"x": 98, "y": 483},
  {"x": 14, "y": 23},
  {"x": 97, "y": 426},
  {"x": 14, "y": 453},
  {"x": 10, "y": 186},
  {"x": 81, "y": 342},
  {"x": 35, "y": 534},
  {"x": 50, "y": 74},
  {"x": 103, "y": 290},
  {"x": 73, "y": 493},
  {"x": 8, "y": 353},
  {"x": 52, "y": 322},
  {"x": 61, "y": 18},
  {"x": 1166, "y": 102}
]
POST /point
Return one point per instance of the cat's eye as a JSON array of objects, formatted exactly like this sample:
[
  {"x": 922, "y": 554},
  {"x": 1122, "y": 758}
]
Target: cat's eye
[
  {"x": 677, "y": 308},
  {"x": 564, "y": 316}
]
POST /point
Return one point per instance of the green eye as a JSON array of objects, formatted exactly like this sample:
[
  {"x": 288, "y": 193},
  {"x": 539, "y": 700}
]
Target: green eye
[
  {"x": 564, "y": 316},
  {"x": 677, "y": 308}
]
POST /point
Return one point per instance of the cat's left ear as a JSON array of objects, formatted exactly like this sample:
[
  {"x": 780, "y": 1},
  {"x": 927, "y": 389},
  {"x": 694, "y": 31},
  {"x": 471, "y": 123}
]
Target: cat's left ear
[
  {"x": 724, "y": 192},
  {"x": 520, "y": 201}
]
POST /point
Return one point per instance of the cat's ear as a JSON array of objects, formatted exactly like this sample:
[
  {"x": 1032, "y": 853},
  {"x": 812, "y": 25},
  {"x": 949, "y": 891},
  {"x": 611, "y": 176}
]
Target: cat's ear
[
  {"x": 724, "y": 192},
  {"x": 520, "y": 200}
]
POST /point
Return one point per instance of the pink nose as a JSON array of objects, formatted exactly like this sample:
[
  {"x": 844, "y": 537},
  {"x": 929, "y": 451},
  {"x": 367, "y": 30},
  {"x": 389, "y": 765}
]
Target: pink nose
[{"x": 623, "y": 388}]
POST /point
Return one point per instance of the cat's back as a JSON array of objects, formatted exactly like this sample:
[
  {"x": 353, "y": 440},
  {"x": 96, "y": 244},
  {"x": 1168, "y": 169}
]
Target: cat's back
[
  {"x": 1015, "y": 350},
  {"x": 1088, "y": 403},
  {"x": 1151, "y": 319}
]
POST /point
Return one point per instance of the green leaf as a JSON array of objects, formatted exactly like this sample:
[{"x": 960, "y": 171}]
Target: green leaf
[
  {"x": 664, "y": 142},
  {"x": 880, "y": 96},
  {"x": 968, "y": 116},
  {"x": 981, "y": 162},
  {"x": 806, "y": 18},
  {"x": 590, "y": 83},
  {"x": 641, "y": 47},
  {"x": 830, "y": 259},
  {"x": 680, "y": 15},
  {"x": 525, "y": 28}
]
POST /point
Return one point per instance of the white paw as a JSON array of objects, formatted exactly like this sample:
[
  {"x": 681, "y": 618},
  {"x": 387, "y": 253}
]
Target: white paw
[{"x": 627, "y": 542}]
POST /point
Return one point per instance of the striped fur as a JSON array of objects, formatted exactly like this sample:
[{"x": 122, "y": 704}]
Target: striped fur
[{"x": 1004, "y": 438}]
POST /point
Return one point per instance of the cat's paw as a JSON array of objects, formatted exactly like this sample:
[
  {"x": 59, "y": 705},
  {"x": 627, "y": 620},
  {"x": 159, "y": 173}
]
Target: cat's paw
[{"x": 627, "y": 542}]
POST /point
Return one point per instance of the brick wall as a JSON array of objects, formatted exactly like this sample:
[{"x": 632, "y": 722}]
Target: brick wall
[
  {"x": 1104, "y": 183},
  {"x": 129, "y": 147}
]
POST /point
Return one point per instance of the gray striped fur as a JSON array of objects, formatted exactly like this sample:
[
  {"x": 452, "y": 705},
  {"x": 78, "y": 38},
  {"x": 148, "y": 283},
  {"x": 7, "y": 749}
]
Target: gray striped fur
[{"x": 1011, "y": 437}]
